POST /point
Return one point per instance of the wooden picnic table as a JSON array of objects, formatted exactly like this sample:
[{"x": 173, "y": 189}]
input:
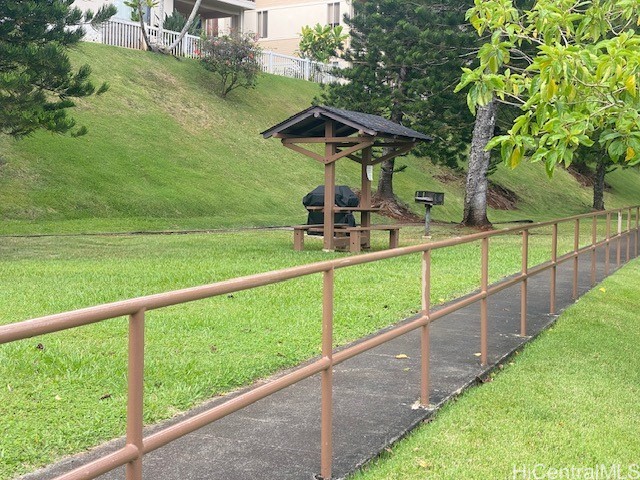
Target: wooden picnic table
[{"x": 344, "y": 235}]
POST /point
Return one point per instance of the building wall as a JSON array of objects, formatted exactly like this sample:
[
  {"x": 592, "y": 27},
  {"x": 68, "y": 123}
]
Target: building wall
[{"x": 286, "y": 19}]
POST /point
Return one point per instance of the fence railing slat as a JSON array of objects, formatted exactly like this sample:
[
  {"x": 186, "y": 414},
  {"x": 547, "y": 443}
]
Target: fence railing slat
[{"x": 126, "y": 34}]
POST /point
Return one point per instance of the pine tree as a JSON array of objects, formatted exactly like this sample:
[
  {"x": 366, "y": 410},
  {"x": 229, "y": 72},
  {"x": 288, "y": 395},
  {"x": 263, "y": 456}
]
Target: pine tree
[
  {"x": 405, "y": 62},
  {"x": 37, "y": 84}
]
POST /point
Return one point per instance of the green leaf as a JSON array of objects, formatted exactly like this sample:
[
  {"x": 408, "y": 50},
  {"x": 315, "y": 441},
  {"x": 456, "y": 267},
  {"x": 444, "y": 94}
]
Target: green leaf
[
  {"x": 516, "y": 157},
  {"x": 630, "y": 85}
]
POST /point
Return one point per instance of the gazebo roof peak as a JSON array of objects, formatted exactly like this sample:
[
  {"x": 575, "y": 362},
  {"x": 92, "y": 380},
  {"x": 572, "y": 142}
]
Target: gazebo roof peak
[{"x": 311, "y": 123}]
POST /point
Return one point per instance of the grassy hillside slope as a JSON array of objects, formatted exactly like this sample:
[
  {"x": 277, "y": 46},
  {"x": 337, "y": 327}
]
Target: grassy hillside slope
[{"x": 163, "y": 151}]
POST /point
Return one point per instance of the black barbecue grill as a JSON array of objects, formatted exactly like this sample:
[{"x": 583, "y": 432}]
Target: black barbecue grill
[
  {"x": 429, "y": 199},
  {"x": 344, "y": 197}
]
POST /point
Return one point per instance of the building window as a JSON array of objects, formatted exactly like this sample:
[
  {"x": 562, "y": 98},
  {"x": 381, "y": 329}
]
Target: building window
[
  {"x": 263, "y": 20},
  {"x": 333, "y": 14}
]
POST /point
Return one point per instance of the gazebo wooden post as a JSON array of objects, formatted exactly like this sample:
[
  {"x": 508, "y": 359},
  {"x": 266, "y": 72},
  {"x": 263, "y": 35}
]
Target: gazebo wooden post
[
  {"x": 365, "y": 194},
  {"x": 329, "y": 187}
]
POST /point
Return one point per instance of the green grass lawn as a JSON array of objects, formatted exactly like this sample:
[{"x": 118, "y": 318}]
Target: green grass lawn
[
  {"x": 569, "y": 399},
  {"x": 164, "y": 152},
  {"x": 200, "y": 349}
]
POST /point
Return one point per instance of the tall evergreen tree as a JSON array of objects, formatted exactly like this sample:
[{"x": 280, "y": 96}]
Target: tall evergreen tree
[
  {"x": 405, "y": 59},
  {"x": 36, "y": 79}
]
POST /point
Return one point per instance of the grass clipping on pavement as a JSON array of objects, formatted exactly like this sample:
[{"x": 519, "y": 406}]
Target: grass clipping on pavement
[{"x": 568, "y": 400}]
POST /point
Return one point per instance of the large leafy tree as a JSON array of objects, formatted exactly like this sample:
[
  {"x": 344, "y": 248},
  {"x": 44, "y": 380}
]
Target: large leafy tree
[
  {"x": 572, "y": 68},
  {"x": 37, "y": 83},
  {"x": 405, "y": 61}
]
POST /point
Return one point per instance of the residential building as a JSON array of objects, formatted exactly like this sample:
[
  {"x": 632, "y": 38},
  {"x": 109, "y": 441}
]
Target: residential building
[
  {"x": 231, "y": 10},
  {"x": 277, "y": 23}
]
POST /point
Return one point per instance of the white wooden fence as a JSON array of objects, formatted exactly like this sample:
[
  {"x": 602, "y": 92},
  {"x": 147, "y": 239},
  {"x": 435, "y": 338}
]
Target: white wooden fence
[
  {"x": 295, "y": 67},
  {"x": 122, "y": 33}
]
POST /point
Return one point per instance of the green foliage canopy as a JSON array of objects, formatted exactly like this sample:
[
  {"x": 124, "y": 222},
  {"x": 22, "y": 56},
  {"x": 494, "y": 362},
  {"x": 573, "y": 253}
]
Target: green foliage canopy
[
  {"x": 176, "y": 22},
  {"x": 235, "y": 59},
  {"x": 577, "y": 88},
  {"x": 36, "y": 78},
  {"x": 320, "y": 43}
]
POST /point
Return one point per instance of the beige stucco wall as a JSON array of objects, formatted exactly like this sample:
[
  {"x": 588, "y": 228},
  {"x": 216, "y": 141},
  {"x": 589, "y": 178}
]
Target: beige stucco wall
[
  {"x": 288, "y": 46},
  {"x": 286, "y": 19}
]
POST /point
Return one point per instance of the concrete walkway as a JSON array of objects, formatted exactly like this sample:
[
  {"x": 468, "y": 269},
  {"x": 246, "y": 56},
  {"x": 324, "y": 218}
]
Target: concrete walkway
[{"x": 279, "y": 437}]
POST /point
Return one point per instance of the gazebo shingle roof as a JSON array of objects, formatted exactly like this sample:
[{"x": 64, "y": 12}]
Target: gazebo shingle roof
[{"x": 311, "y": 123}]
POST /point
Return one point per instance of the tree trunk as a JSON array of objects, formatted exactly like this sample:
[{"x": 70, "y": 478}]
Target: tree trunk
[
  {"x": 475, "y": 198},
  {"x": 161, "y": 24},
  {"x": 385, "y": 183},
  {"x": 598, "y": 185},
  {"x": 145, "y": 34},
  {"x": 186, "y": 27}
]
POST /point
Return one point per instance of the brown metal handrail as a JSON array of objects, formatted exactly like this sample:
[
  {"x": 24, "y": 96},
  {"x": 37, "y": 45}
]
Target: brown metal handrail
[{"x": 136, "y": 446}]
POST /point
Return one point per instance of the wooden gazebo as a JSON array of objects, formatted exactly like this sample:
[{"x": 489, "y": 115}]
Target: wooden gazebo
[{"x": 345, "y": 134}]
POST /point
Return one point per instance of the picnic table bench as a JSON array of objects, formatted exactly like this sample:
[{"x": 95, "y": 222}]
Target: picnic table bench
[{"x": 346, "y": 235}]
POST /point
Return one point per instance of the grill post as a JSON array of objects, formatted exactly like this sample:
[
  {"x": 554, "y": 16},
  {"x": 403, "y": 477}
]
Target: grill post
[{"x": 427, "y": 219}]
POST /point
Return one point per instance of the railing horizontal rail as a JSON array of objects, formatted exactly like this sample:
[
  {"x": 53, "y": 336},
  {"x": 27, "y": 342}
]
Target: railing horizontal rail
[{"x": 103, "y": 465}]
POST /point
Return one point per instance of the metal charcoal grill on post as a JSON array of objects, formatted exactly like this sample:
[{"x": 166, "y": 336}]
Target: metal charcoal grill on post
[{"x": 429, "y": 199}]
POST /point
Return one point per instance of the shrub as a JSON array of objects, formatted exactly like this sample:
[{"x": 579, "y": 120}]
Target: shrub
[{"x": 235, "y": 59}]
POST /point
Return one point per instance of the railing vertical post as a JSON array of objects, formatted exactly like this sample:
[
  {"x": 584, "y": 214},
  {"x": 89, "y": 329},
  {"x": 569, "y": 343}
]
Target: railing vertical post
[
  {"x": 425, "y": 349},
  {"x": 619, "y": 235},
  {"x": 133, "y": 469},
  {"x": 607, "y": 249},
  {"x": 554, "y": 268},
  {"x": 326, "y": 449},
  {"x": 628, "y": 256},
  {"x": 576, "y": 247},
  {"x": 594, "y": 240},
  {"x": 637, "y": 230},
  {"x": 523, "y": 285},
  {"x": 483, "y": 303}
]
